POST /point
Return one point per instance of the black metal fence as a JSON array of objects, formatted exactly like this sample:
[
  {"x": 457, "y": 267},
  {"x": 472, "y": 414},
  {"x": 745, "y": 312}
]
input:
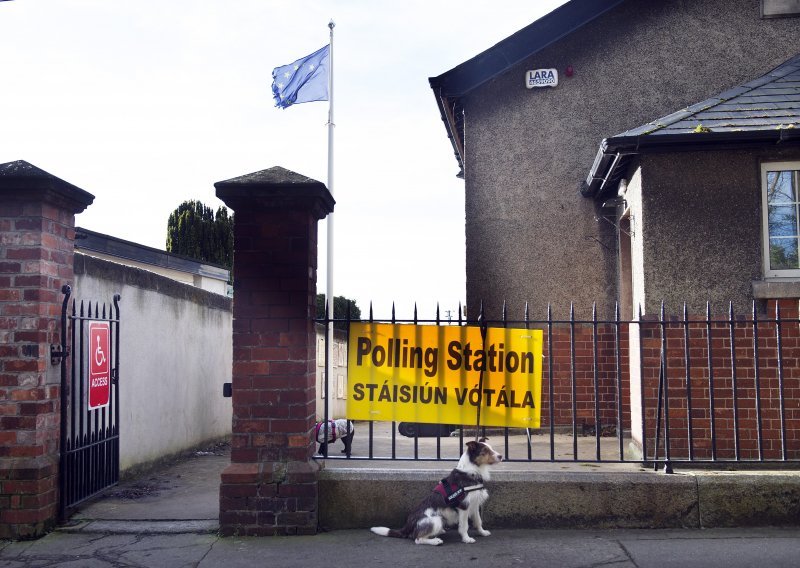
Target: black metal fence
[
  {"x": 663, "y": 390},
  {"x": 89, "y": 457}
]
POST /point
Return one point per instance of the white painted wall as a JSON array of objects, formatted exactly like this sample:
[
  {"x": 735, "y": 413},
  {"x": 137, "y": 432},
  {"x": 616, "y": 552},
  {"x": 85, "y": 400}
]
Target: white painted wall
[
  {"x": 175, "y": 354},
  {"x": 337, "y": 403}
]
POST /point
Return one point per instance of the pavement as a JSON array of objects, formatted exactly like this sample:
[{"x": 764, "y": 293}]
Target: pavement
[
  {"x": 169, "y": 518},
  {"x": 723, "y": 548}
]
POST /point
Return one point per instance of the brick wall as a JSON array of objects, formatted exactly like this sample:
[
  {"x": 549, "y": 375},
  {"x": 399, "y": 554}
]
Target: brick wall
[
  {"x": 587, "y": 390},
  {"x": 36, "y": 249},
  {"x": 754, "y": 404},
  {"x": 592, "y": 385}
]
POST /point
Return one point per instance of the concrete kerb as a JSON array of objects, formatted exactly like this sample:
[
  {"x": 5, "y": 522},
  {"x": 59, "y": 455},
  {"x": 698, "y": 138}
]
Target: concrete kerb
[
  {"x": 364, "y": 497},
  {"x": 561, "y": 494},
  {"x": 357, "y": 494}
]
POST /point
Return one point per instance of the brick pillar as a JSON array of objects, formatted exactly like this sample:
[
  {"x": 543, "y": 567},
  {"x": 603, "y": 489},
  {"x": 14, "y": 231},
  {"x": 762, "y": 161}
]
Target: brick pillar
[
  {"x": 270, "y": 488},
  {"x": 37, "y": 232}
]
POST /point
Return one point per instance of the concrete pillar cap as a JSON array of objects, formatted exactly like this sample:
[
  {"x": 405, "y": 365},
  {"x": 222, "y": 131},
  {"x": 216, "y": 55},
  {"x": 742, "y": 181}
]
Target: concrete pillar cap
[
  {"x": 276, "y": 188},
  {"x": 21, "y": 181}
]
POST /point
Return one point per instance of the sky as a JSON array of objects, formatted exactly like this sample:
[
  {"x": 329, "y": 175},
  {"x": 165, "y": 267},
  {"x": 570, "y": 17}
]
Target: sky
[{"x": 148, "y": 103}]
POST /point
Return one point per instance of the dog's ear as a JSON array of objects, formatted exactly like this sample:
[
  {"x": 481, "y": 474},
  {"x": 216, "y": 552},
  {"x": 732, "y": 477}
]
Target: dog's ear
[
  {"x": 471, "y": 445},
  {"x": 484, "y": 440}
]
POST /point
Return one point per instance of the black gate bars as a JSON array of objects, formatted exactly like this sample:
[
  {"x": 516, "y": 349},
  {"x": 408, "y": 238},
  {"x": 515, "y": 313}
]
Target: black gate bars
[{"x": 89, "y": 457}]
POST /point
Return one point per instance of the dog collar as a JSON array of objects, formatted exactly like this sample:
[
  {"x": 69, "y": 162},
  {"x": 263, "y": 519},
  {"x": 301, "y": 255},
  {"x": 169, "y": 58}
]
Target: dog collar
[{"x": 454, "y": 494}]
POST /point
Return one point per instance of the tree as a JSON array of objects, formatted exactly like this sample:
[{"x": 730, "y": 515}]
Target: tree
[
  {"x": 340, "y": 306},
  {"x": 196, "y": 231}
]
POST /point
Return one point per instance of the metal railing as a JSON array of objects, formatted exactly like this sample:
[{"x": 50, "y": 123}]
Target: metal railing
[{"x": 661, "y": 389}]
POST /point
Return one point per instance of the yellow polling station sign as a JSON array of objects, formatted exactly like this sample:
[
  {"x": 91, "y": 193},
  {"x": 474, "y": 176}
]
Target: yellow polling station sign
[{"x": 431, "y": 374}]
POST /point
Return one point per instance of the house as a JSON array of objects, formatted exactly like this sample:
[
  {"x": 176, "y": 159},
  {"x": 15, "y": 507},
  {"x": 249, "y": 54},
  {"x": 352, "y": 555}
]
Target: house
[
  {"x": 608, "y": 66},
  {"x": 707, "y": 197},
  {"x": 337, "y": 387},
  {"x": 196, "y": 273}
]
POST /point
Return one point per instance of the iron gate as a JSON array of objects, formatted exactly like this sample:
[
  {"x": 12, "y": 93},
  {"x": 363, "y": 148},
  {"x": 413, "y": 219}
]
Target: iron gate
[{"x": 89, "y": 457}]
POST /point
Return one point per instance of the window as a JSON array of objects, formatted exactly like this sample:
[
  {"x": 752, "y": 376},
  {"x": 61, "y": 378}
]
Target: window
[
  {"x": 781, "y": 218},
  {"x": 780, "y": 8}
]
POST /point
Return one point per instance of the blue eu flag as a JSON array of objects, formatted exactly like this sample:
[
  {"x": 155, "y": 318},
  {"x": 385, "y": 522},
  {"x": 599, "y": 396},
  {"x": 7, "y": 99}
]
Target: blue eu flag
[{"x": 304, "y": 81}]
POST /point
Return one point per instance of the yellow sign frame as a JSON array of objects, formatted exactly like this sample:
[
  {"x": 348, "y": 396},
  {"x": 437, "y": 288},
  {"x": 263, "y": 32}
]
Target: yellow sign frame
[{"x": 431, "y": 374}]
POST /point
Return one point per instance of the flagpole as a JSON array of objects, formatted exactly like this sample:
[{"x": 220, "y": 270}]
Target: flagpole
[{"x": 329, "y": 271}]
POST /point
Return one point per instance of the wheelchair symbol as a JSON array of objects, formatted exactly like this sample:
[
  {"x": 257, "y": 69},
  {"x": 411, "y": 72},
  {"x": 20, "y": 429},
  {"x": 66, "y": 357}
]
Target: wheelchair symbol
[{"x": 99, "y": 356}]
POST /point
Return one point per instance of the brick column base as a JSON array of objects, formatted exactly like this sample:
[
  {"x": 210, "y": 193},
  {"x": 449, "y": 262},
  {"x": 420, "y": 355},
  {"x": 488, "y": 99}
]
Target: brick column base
[
  {"x": 29, "y": 496},
  {"x": 269, "y": 499}
]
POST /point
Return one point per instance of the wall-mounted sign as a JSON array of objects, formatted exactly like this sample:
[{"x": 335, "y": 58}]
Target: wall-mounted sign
[
  {"x": 541, "y": 78},
  {"x": 780, "y": 8}
]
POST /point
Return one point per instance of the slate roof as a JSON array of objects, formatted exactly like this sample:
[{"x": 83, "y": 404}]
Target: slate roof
[
  {"x": 451, "y": 86},
  {"x": 763, "y": 111},
  {"x": 86, "y": 240},
  {"x": 769, "y": 102}
]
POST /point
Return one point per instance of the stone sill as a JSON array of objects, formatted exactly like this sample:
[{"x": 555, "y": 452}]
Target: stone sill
[{"x": 774, "y": 289}]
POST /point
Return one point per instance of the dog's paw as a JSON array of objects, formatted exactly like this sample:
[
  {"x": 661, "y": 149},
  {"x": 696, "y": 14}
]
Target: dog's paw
[
  {"x": 431, "y": 541},
  {"x": 468, "y": 540},
  {"x": 484, "y": 533}
]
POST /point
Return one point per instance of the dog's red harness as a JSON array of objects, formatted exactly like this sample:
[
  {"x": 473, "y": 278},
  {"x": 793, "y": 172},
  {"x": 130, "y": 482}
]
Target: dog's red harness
[
  {"x": 331, "y": 429},
  {"x": 454, "y": 494}
]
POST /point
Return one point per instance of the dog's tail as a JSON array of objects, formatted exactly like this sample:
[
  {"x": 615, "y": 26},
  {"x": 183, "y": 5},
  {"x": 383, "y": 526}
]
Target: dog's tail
[{"x": 385, "y": 531}]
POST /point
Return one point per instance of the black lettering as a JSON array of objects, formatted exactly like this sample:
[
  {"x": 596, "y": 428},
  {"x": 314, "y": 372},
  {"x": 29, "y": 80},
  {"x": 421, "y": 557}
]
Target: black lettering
[
  {"x": 378, "y": 356},
  {"x": 453, "y": 349},
  {"x": 467, "y": 355},
  {"x": 422, "y": 392},
  {"x": 475, "y": 397},
  {"x": 416, "y": 357},
  {"x": 480, "y": 361},
  {"x": 492, "y": 354},
  {"x": 358, "y": 391},
  {"x": 512, "y": 361},
  {"x": 364, "y": 347},
  {"x": 431, "y": 361},
  {"x": 527, "y": 362},
  {"x": 502, "y": 398},
  {"x": 527, "y": 400}
]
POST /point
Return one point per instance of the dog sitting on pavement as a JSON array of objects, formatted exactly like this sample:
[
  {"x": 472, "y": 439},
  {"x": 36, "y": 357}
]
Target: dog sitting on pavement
[
  {"x": 456, "y": 500},
  {"x": 339, "y": 429}
]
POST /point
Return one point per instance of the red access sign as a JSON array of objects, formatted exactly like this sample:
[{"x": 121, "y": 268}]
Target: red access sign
[{"x": 99, "y": 365}]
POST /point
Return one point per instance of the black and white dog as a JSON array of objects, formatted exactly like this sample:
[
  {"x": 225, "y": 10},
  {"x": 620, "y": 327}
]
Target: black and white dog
[
  {"x": 455, "y": 501},
  {"x": 339, "y": 429}
]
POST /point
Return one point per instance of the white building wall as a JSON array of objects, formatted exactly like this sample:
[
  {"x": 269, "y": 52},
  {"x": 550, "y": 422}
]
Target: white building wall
[
  {"x": 175, "y": 354},
  {"x": 337, "y": 403}
]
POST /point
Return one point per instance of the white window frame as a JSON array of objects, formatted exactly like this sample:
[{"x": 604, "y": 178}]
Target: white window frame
[{"x": 773, "y": 167}]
